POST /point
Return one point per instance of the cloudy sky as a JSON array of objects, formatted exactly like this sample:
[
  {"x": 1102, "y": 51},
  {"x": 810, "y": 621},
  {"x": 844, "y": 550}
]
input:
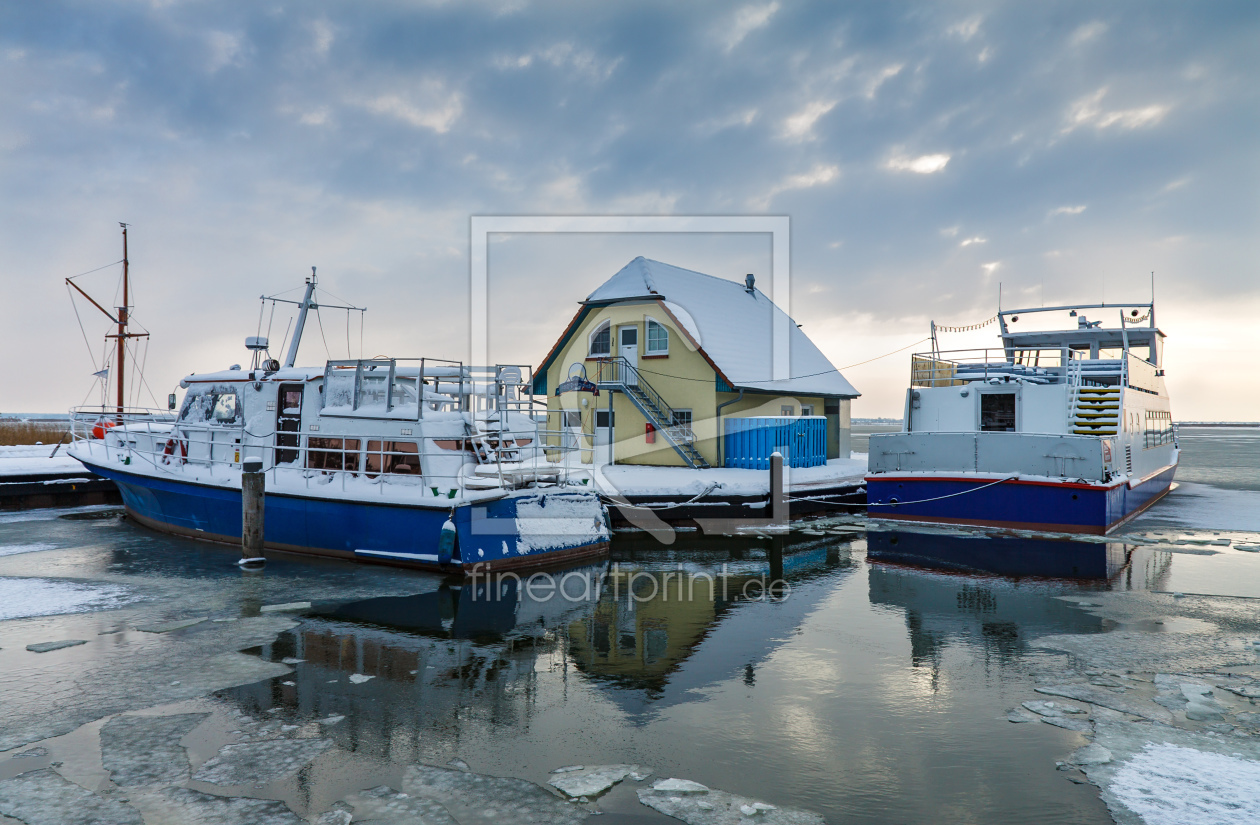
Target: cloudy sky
[{"x": 925, "y": 154}]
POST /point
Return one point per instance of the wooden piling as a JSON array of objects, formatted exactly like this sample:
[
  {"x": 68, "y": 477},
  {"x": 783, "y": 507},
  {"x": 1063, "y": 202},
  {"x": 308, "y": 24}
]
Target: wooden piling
[
  {"x": 253, "y": 489},
  {"x": 778, "y": 502}
]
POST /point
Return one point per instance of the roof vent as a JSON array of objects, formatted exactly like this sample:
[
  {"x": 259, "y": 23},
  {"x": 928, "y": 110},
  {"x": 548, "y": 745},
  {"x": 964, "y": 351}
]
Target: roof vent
[{"x": 749, "y": 280}]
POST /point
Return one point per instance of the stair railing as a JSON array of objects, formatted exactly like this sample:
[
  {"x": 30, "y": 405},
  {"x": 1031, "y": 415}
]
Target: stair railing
[{"x": 613, "y": 373}]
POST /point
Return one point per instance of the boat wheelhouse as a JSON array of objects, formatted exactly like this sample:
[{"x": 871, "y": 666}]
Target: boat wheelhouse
[
  {"x": 377, "y": 460},
  {"x": 1067, "y": 430}
]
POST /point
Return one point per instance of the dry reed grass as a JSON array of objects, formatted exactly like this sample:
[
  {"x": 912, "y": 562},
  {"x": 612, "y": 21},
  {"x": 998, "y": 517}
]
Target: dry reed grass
[{"x": 28, "y": 432}]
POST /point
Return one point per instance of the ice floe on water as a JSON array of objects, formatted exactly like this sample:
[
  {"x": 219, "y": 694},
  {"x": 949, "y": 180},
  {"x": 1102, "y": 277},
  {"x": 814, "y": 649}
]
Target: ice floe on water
[
  {"x": 696, "y": 804},
  {"x": 22, "y": 597},
  {"x": 44, "y": 797},
  {"x": 146, "y": 750},
  {"x": 189, "y": 807},
  {"x": 474, "y": 799},
  {"x": 577, "y": 782},
  {"x": 260, "y": 762}
]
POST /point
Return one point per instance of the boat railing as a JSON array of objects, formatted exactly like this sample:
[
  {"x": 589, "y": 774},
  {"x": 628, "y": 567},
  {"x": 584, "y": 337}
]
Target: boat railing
[
  {"x": 407, "y": 388},
  {"x": 1046, "y": 365},
  {"x": 450, "y": 466}
]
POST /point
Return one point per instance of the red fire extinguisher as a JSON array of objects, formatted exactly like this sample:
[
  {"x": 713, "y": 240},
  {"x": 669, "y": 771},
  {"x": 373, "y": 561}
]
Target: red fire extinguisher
[{"x": 650, "y": 433}]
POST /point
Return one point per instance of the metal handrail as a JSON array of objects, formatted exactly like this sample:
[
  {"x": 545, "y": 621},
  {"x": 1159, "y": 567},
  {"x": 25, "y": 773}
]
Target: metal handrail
[{"x": 158, "y": 439}]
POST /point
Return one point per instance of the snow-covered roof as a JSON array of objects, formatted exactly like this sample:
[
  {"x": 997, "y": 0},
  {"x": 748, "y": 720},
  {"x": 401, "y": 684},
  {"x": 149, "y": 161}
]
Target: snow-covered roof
[{"x": 734, "y": 328}]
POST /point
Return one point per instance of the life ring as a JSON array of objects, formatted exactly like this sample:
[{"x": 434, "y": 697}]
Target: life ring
[
  {"x": 101, "y": 427},
  {"x": 169, "y": 451}
]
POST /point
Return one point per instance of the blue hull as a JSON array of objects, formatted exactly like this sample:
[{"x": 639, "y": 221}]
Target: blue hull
[
  {"x": 402, "y": 535},
  {"x": 1024, "y": 505}
]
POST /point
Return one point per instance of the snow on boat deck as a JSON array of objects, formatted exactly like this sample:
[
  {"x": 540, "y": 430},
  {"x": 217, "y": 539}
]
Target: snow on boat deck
[{"x": 638, "y": 480}]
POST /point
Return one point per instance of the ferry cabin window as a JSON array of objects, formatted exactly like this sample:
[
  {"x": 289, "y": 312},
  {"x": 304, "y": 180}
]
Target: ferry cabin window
[
  {"x": 601, "y": 342},
  {"x": 997, "y": 412},
  {"x": 392, "y": 458},
  {"x": 1158, "y": 428},
  {"x": 332, "y": 454},
  {"x": 657, "y": 339}
]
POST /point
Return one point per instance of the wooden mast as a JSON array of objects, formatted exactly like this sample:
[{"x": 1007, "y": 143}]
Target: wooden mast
[{"x": 121, "y": 320}]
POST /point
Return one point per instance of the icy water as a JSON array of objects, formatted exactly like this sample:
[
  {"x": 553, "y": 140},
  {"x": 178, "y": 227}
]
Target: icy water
[{"x": 886, "y": 683}]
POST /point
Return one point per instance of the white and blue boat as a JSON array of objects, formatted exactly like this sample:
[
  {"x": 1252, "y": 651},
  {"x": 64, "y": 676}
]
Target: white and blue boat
[
  {"x": 1063, "y": 430},
  {"x": 373, "y": 460}
]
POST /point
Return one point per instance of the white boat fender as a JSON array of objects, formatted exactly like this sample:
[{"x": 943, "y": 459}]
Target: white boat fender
[{"x": 446, "y": 542}]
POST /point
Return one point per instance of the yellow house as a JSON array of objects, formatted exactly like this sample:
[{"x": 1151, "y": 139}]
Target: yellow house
[{"x": 658, "y": 360}]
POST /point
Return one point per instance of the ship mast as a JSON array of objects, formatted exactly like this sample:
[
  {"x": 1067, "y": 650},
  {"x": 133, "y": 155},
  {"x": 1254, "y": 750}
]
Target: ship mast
[
  {"x": 122, "y": 325},
  {"x": 122, "y": 321}
]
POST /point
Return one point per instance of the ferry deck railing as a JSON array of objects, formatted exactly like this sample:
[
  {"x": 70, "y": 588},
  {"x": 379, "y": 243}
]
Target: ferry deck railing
[{"x": 1049, "y": 365}]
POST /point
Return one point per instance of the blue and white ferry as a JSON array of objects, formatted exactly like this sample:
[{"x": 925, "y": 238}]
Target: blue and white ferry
[
  {"x": 368, "y": 460},
  {"x": 1064, "y": 430}
]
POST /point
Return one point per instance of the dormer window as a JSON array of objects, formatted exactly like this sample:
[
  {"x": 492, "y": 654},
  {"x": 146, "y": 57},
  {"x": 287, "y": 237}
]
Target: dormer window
[
  {"x": 657, "y": 338},
  {"x": 601, "y": 342}
]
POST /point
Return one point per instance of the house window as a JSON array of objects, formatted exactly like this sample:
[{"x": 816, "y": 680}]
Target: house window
[
  {"x": 602, "y": 418},
  {"x": 680, "y": 429},
  {"x": 601, "y": 342},
  {"x": 997, "y": 412},
  {"x": 787, "y": 409},
  {"x": 681, "y": 418},
  {"x": 807, "y": 409},
  {"x": 657, "y": 338}
]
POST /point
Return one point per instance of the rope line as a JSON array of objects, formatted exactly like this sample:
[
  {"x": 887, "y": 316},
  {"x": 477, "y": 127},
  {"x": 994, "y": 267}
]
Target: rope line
[
  {"x": 899, "y": 503},
  {"x": 969, "y": 328},
  {"x": 98, "y": 269}
]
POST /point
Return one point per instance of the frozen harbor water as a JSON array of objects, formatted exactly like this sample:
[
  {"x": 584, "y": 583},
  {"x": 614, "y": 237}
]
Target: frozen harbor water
[{"x": 881, "y": 686}]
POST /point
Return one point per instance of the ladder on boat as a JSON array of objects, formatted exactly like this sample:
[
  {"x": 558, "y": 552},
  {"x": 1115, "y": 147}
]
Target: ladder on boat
[
  {"x": 1096, "y": 411},
  {"x": 619, "y": 374}
]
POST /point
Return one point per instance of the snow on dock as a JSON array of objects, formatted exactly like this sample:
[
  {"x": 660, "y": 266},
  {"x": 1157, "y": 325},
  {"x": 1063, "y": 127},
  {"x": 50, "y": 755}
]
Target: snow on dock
[
  {"x": 37, "y": 459},
  {"x": 641, "y": 480}
]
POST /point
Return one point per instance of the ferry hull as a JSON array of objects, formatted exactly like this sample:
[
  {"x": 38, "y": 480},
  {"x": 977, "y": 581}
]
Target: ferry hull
[
  {"x": 1063, "y": 507},
  {"x": 504, "y": 534}
]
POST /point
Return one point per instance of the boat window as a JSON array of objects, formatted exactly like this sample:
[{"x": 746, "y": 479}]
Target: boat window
[
  {"x": 657, "y": 339},
  {"x": 332, "y": 453},
  {"x": 392, "y": 458},
  {"x": 601, "y": 341},
  {"x": 997, "y": 412},
  {"x": 291, "y": 400},
  {"x": 210, "y": 406},
  {"x": 1159, "y": 428},
  {"x": 197, "y": 407},
  {"x": 227, "y": 408}
]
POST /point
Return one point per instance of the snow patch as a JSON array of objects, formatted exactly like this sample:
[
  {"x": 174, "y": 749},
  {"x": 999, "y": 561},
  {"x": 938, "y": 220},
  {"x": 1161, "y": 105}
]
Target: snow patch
[
  {"x": 20, "y": 598},
  {"x": 1172, "y": 785}
]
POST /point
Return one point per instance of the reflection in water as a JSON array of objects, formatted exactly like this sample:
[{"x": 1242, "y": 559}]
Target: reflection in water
[
  {"x": 997, "y": 593},
  {"x": 647, "y": 631}
]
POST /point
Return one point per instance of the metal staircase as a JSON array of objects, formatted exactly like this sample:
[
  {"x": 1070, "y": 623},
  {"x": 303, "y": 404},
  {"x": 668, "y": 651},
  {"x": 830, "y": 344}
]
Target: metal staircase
[
  {"x": 619, "y": 374},
  {"x": 1096, "y": 411}
]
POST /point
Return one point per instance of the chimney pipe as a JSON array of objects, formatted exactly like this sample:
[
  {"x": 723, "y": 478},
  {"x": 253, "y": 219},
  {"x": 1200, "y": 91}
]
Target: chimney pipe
[{"x": 749, "y": 280}]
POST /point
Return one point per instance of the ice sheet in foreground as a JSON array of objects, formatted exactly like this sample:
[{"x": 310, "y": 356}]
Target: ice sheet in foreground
[
  {"x": 1168, "y": 784},
  {"x": 20, "y": 598}
]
